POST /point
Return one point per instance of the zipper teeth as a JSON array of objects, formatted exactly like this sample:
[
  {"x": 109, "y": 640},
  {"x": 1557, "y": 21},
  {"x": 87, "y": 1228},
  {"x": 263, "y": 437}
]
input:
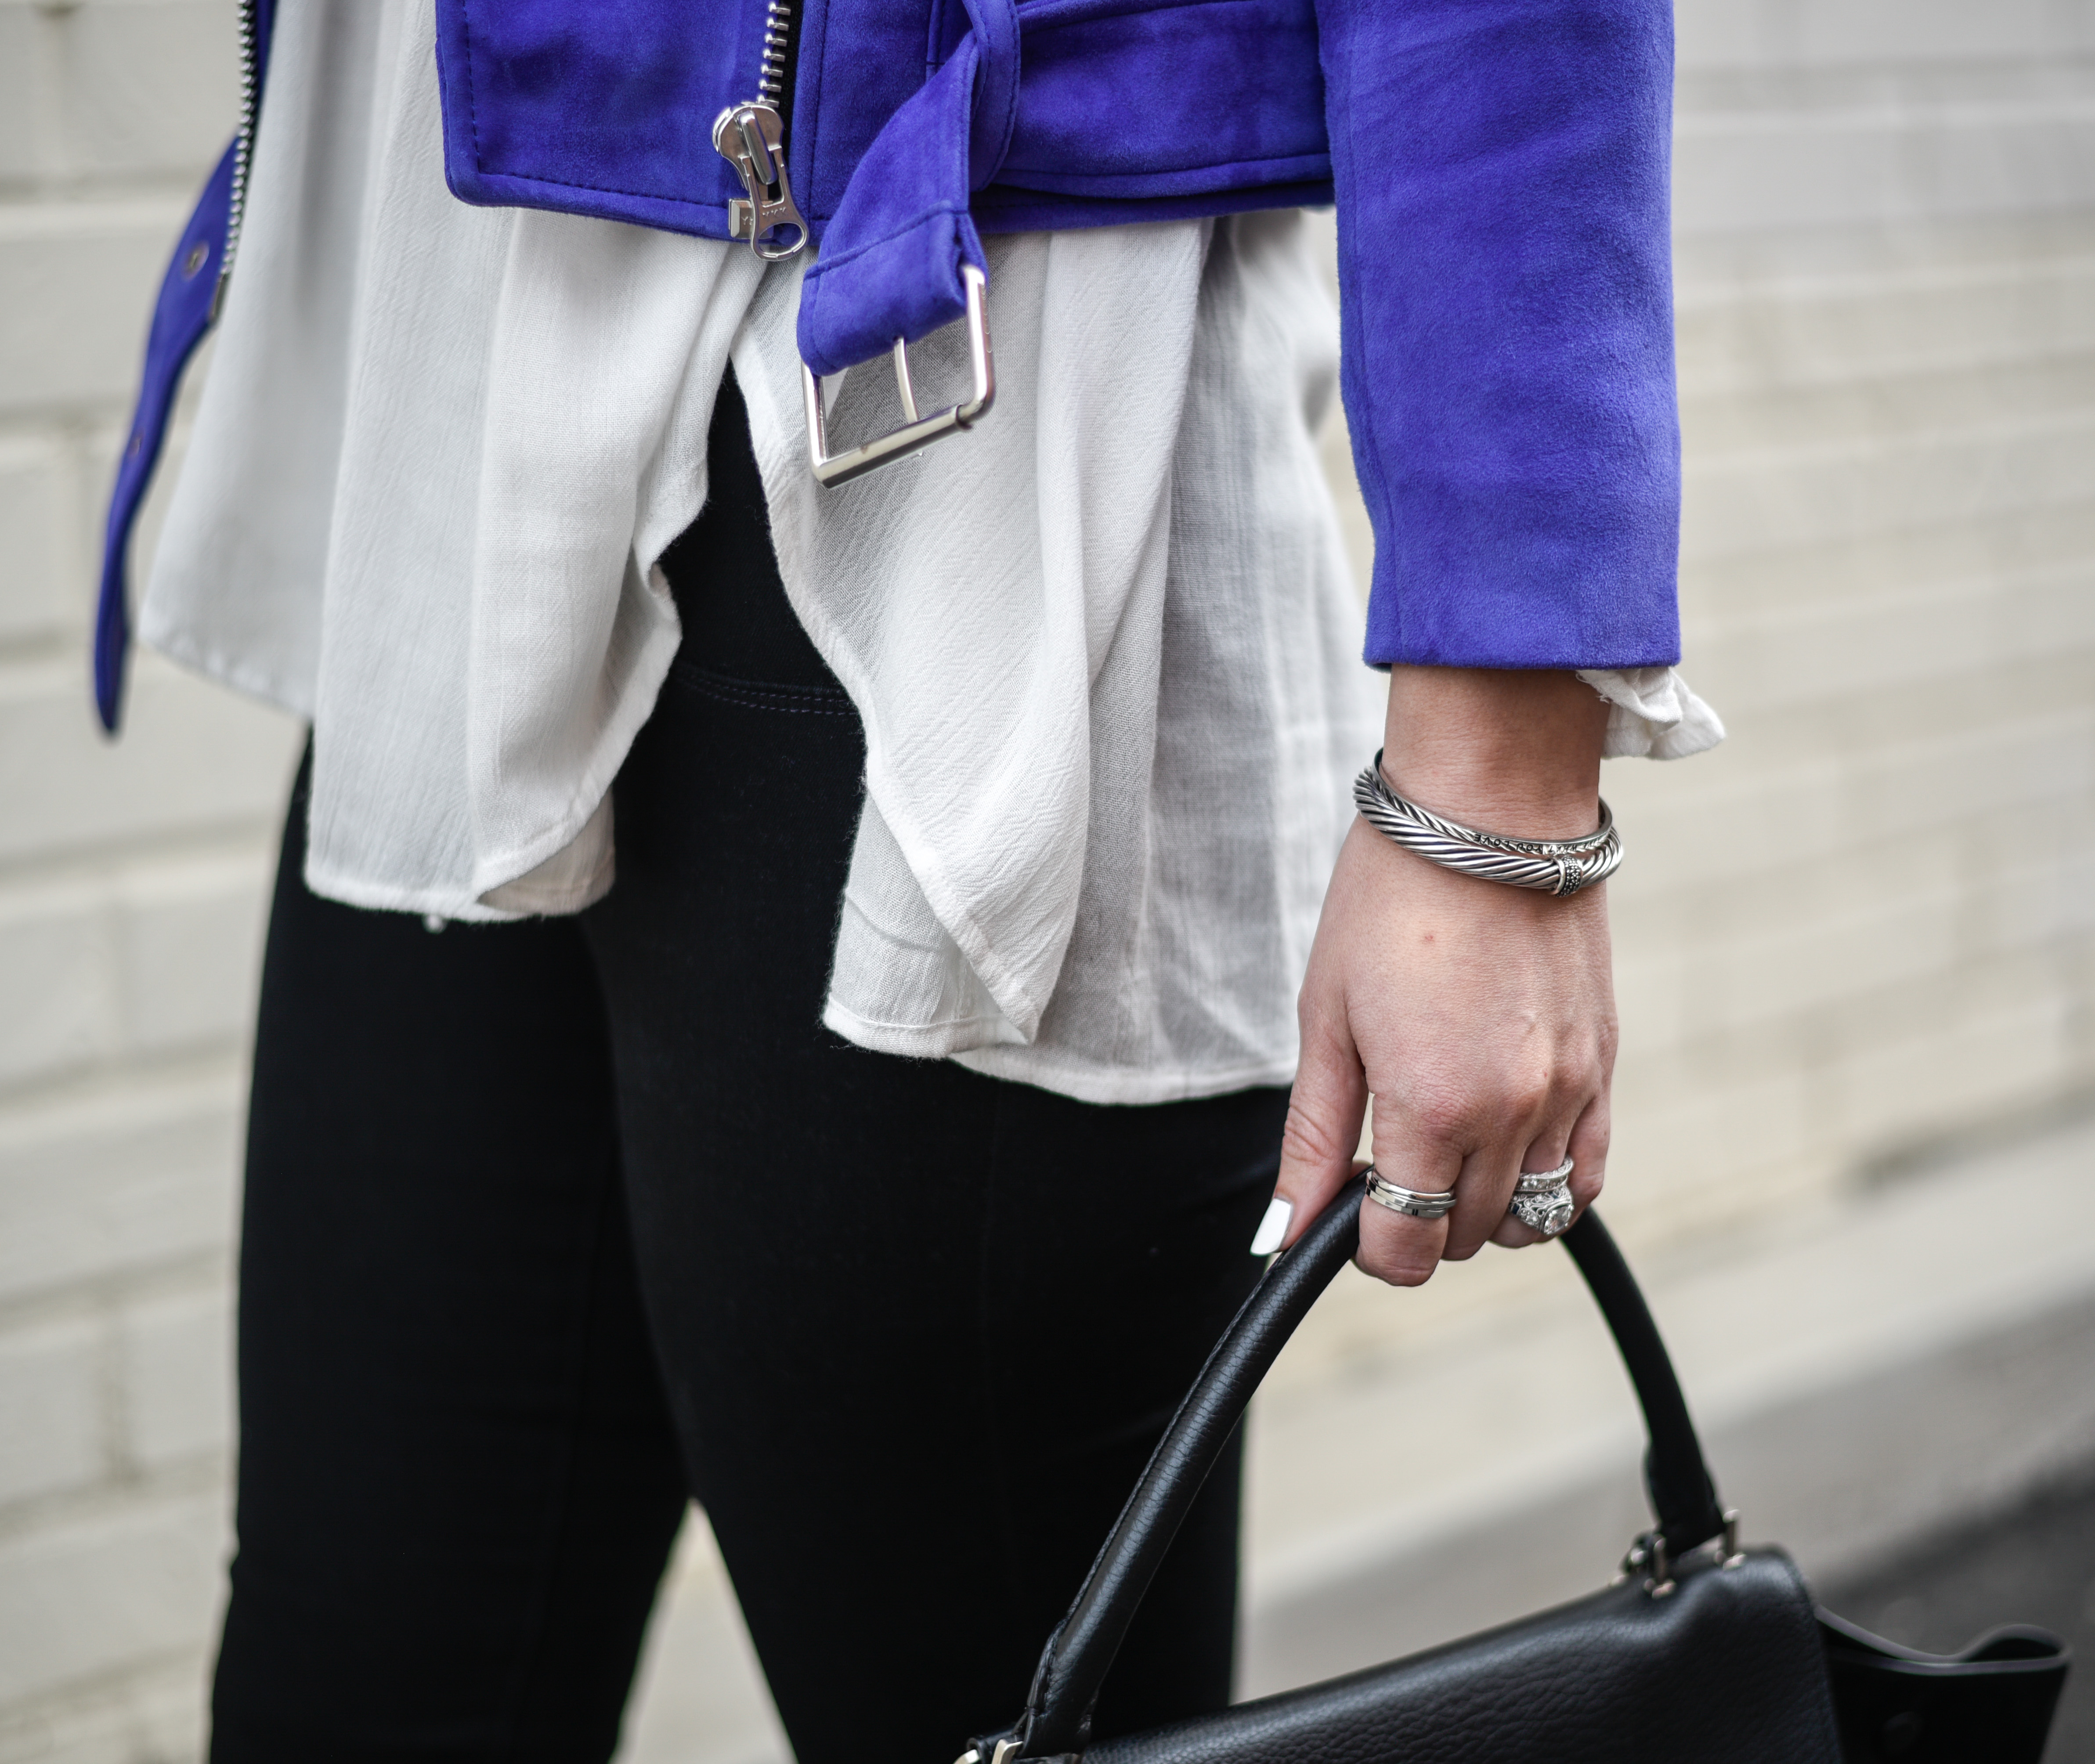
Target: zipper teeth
[
  {"x": 250, "y": 105},
  {"x": 777, "y": 40}
]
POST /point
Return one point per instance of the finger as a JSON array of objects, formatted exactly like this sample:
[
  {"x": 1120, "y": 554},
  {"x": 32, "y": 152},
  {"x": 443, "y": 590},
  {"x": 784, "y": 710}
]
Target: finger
[
  {"x": 1483, "y": 1193},
  {"x": 1586, "y": 1144},
  {"x": 1325, "y": 1110},
  {"x": 1522, "y": 1135},
  {"x": 1394, "y": 1246},
  {"x": 1589, "y": 1148},
  {"x": 1280, "y": 1217},
  {"x": 1545, "y": 1152}
]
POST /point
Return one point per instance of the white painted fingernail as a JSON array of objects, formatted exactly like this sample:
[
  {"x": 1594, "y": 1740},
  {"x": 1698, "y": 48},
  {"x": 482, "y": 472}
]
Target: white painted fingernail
[{"x": 1273, "y": 1227}]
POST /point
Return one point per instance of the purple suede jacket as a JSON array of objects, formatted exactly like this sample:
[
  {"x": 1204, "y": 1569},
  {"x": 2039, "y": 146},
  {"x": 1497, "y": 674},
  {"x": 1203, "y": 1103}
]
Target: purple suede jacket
[{"x": 1500, "y": 169}]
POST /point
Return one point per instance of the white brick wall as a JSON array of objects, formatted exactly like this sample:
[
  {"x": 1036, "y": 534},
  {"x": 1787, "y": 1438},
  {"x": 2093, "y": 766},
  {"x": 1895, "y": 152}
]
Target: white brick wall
[
  {"x": 1866, "y": 919},
  {"x": 131, "y": 880}
]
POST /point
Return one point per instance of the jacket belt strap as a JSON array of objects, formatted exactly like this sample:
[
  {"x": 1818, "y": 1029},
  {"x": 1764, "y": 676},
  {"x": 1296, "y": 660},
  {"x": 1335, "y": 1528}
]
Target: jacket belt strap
[{"x": 892, "y": 257}]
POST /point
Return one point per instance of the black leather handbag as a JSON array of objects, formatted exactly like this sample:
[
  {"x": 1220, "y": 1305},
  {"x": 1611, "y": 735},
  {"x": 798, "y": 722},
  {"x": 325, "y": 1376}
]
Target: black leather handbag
[{"x": 1701, "y": 1653}]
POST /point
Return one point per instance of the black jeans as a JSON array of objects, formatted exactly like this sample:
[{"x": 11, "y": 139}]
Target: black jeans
[{"x": 550, "y": 1224}]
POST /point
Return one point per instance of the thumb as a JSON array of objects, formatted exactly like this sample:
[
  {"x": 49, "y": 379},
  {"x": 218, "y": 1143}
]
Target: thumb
[{"x": 1324, "y": 1115}]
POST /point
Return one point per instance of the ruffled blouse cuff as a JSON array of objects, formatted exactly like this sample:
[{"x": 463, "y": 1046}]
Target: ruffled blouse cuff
[{"x": 1653, "y": 714}]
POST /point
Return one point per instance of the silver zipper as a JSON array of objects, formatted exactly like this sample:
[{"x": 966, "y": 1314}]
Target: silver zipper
[
  {"x": 752, "y": 138},
  {"x": 243, "y": 145}
]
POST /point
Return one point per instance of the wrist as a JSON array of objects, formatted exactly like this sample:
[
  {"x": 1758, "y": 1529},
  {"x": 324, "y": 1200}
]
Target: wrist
[{"x": 1505, "y": 751}]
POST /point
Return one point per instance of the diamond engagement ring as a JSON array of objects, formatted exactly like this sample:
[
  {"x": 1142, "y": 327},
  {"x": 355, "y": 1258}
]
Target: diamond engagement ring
[
  {"x": 1412, "y": 1203},
  {"x": 1542, "y": 1199}
]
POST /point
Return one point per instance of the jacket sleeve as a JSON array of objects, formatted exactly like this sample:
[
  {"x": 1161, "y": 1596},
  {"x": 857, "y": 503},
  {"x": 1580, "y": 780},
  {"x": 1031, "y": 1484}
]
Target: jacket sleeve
[{"x": 1501, "y": 169}]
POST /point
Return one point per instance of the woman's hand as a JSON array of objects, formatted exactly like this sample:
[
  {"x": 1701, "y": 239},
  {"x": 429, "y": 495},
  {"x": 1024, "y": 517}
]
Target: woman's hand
[{"x": 1481, "y": 1017}]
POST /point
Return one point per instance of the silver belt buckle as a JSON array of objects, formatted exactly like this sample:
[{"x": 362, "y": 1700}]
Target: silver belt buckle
[{"x": 917, "y": 431}]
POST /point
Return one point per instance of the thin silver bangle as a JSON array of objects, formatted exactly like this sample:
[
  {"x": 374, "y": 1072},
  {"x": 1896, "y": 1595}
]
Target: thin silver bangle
[{"x": 1560, "y": 867}]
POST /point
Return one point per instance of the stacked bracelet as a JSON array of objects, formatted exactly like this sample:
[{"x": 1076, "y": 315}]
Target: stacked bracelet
[{"x": 1558, "y": 867}]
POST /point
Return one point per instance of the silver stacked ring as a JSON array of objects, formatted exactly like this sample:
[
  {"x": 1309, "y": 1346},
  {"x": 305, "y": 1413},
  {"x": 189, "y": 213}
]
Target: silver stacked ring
[
  {"x": 1540, "y": 1182},
  {"x": 1542, "y": 1199},
  {"x": 1412, "y": 1203}
]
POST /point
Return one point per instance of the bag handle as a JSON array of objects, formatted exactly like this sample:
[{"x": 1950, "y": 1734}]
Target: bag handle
[{"x": 1056, "y": 1722}]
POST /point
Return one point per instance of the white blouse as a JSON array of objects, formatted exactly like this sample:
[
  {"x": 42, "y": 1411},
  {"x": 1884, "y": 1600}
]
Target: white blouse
[{"x": 1105, "y": 646}]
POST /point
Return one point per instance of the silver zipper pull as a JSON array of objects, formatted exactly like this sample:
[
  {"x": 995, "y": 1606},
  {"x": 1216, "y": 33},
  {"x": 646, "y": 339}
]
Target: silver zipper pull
[{"x": 751, "y": 138}]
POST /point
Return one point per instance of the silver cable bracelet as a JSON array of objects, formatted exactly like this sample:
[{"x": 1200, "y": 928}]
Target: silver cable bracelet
[{"x": 1558, "y": 867}]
